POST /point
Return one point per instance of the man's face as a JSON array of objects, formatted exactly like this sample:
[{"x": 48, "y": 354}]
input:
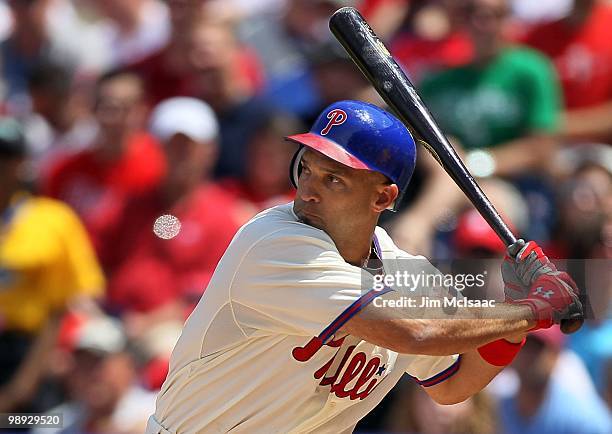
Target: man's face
[
  {"x": 338, "y": 199},
  {"x": 99, "y": 380},
  {"x": 119, "y": 106},
  {"x": 485, "y": 19},
  {"x": 212, "y": 53},
  {"x": 188, "y": 159}
]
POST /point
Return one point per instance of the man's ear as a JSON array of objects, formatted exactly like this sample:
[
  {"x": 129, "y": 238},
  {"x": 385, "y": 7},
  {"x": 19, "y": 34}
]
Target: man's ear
[{"x": 385, "y": 198}]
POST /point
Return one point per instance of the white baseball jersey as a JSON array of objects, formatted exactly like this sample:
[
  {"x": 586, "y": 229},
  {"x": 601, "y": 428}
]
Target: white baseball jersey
[{"x": 262, "y": 351}]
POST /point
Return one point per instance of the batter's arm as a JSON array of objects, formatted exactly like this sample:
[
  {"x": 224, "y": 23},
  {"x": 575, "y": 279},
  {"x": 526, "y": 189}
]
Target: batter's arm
[
  {"x": 439, "y": 333},
  {"x": 473, "y": 376}
]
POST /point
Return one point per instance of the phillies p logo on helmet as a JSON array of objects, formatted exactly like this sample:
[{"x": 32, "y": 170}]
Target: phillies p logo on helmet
[{"x": 336, "y": 117}]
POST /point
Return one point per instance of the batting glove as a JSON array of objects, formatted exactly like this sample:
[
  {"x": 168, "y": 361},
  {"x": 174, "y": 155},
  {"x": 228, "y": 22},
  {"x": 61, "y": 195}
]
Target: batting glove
[
  {"x": 523, "y": 264},
  {"x": 552, "y": 297}
]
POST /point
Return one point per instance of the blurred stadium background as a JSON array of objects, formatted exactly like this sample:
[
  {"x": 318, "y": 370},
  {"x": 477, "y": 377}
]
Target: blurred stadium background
[{"x": 115, "y": 112}]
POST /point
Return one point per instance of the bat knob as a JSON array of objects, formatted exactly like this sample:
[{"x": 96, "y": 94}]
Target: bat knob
[{"x": 572, "y": 324}]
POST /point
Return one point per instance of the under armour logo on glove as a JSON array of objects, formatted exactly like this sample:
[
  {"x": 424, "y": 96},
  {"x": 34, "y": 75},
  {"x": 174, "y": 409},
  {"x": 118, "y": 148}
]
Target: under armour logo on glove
[
  {"x": 540, "y": 291},
  {"x": 553, "y": 297}
]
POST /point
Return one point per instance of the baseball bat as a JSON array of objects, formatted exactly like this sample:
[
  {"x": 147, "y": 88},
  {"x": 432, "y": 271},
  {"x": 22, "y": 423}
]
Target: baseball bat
[{"x": 383, "y": 72}]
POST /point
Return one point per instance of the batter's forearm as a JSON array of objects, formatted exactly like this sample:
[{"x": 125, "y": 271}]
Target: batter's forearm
[
  {"x": 473, "y": 375},
  {"x": 434, "y": 331},
  {"x": 454, "y": 336}
]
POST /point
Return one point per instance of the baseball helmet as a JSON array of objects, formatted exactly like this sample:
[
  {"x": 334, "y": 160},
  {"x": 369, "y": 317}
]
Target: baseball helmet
[{"x": 362, "y": 136}]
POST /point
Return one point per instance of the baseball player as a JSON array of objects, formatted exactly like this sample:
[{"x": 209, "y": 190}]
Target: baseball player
[{"x": 287, "y": 339}]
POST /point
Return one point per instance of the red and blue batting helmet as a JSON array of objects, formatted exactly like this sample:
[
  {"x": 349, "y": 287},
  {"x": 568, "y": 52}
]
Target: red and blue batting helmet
[{"x": 362, "y": 136}]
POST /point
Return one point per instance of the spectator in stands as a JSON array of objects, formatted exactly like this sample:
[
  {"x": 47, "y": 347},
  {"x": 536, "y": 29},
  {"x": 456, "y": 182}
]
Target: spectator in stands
[
  {"x": 593, "y": 342},
  {"x": 580, "y": 48},
  {"x": 26, "y": 45},
  {"x": 46, "y": 263},
  {"x": 582, "y": 237},
  {"x": 431, "y": 39},
  {"x": 61, "y": 122},
  {"x": 304, "y": 19},
  {"x": 336, "y": 78},
  {"x": 413, "y": 411},
  {"x": 124, "y": 161},
  {"x": 284, "y": 42},
  {"x": 134, "y": 29},
  {"x": 103, "y": 391},
  {"x": 153, "y": 278},
  {"x": 167, "y": 72},
  {"x": 266, "y": 183},
  {"x": 584, "y": 204},
  {"x": 503, "y": 109},
  {"x": 505, "y": 103},
  {"x": 170, "y": 71},
  {"x": 45, "y": 30},
  {"x": 215, "y": 56},
  {"x": 549, "y": 403},
  {"x": 385, "y": 16}
]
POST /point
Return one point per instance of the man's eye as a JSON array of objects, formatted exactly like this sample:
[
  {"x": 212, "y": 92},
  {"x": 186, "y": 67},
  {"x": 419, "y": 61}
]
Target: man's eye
[
  {"x": 334, "y": 179},
  {"x": 305, "y": 169}
]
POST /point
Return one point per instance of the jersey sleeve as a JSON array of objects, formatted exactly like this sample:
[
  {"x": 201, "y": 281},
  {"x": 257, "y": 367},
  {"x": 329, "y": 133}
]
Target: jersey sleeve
[
  {"x": 297, "y": 283},
  {"x": 431, "y": 370}
]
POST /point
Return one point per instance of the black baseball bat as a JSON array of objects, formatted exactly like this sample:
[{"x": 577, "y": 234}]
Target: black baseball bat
[{"x": 383, "y": 72}]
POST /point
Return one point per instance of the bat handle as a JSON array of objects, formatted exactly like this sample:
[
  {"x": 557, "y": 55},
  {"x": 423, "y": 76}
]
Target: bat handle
[{"x": 572, "y": 324}]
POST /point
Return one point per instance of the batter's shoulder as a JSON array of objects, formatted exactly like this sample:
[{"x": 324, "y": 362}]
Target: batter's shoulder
[
  {"x": 279, "y": 222},
  {"x": 389, "y": 248}
]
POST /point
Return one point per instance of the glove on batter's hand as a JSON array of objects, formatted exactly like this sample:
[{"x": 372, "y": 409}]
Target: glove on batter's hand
[
  {"x": 552, "y": 297},
  {"x": 531, "y": 279},
  {"x": 523, "y": 264}
]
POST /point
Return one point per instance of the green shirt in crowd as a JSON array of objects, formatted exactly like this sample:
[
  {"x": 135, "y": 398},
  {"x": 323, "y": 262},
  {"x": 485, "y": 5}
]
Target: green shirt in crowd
[{"x": 515, "y": 94}]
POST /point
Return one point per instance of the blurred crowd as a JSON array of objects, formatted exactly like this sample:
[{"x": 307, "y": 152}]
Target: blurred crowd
[{"x": 116, "y": 112}]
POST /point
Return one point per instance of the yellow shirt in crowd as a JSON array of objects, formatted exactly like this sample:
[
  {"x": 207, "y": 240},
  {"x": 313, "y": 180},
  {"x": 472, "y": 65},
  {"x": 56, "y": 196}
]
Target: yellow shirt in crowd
[{"x": 45, "y": 260}]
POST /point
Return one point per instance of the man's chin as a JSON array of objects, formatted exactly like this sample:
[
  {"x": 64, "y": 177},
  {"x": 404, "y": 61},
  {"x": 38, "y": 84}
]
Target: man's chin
[
  {"x": 310, "y": 220},
  {"x": 315, "y": 223}
]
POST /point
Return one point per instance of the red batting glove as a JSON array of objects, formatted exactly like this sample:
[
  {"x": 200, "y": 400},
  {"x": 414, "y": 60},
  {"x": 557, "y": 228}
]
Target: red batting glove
[
  {"x": 523, "y": 264},
  {"x": 552, "y": 297}
]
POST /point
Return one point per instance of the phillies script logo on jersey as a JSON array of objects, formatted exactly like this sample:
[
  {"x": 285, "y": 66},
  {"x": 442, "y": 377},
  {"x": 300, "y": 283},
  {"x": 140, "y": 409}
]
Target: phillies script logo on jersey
[
  {"x": 367, "y": 372},
  {"x": 336, "y": 117}
]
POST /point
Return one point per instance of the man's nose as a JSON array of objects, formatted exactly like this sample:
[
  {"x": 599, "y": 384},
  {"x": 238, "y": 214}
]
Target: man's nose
[{"x": 307, "y": 190}]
